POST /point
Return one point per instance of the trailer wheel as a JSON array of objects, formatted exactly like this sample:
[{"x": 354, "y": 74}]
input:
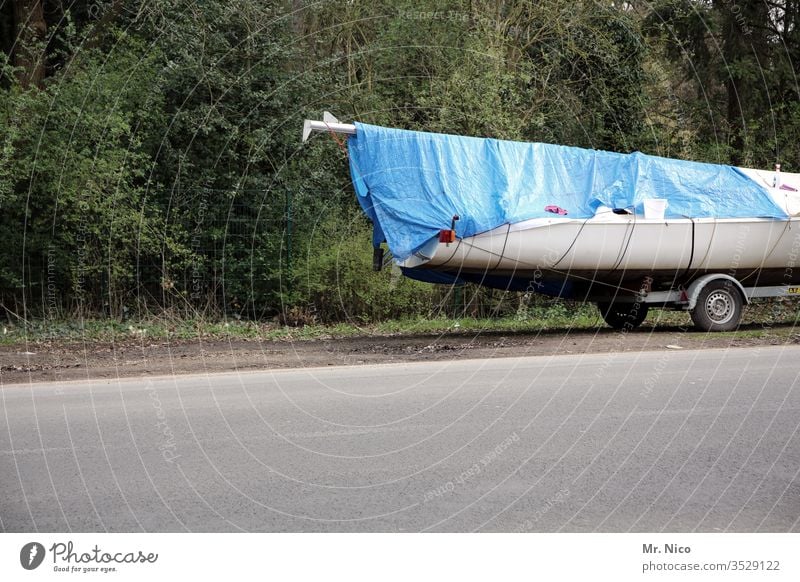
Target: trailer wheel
[
  {"x": 719, "y": 307},
  {"x": 623, "y": 315}
]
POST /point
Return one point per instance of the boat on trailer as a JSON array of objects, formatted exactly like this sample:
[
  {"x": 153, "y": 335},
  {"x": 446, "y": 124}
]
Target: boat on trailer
[{"x": 626, "y": 231}]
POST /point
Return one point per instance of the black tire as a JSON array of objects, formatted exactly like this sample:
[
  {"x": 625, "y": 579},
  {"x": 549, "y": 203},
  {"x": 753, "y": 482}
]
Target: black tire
[
  {"x": 623, "y": 315},
  {"x": 719, "y": 307}
]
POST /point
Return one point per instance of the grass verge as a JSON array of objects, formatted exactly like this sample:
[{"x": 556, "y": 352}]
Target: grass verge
[{"x": 758, "y": 321}]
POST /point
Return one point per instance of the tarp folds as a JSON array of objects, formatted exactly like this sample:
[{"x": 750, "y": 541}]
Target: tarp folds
[{"x": 412, "y": 183}]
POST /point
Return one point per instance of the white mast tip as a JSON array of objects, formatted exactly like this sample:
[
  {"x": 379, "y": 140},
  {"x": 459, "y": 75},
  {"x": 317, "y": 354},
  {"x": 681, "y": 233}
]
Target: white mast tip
[{"x": 330, "y": 124}]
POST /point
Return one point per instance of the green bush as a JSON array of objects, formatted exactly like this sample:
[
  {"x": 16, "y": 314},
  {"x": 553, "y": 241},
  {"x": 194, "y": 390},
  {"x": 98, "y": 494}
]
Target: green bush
[{"x": 333, "y": 278}]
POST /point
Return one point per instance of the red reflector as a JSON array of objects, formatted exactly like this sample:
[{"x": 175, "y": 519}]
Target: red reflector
[{"x": 447, "y": 236}]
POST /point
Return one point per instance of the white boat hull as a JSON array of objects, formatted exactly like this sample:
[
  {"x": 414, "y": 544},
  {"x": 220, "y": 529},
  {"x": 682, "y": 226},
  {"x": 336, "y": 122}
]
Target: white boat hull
[{"x": 620, "y": 250}]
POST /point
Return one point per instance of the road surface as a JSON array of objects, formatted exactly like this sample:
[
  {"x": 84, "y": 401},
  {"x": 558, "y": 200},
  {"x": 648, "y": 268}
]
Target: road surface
[{"x": 674, "y": 441}]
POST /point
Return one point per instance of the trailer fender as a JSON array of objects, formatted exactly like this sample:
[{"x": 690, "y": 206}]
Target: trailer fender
[{"x": 693, "y": 292}]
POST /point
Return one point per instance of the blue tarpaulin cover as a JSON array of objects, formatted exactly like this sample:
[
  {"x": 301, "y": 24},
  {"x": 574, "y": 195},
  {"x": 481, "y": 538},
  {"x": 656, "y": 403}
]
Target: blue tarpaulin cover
[{"x": 412, "y": 183}]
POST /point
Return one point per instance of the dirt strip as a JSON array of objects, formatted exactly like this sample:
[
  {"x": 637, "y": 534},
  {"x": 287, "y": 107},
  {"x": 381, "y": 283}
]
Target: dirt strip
[{"x": 48, "y": 361}]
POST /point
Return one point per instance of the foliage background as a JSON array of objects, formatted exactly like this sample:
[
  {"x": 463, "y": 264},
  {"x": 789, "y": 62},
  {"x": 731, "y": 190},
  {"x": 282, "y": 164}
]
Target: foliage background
[{"x": 150, "y": 155}]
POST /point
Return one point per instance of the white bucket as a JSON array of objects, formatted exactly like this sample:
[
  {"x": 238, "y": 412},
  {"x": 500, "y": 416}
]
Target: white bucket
[{"x": 654, "y": 208}]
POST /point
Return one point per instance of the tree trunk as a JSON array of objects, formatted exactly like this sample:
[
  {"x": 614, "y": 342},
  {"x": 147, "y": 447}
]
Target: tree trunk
[
  {"x": 732, "y": 53},
  {"x": 7, "y": 32},
  {"x": 29, "y": 45}
]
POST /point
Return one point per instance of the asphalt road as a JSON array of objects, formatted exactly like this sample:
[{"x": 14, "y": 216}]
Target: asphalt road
[{"x": 671, "y": 441}]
